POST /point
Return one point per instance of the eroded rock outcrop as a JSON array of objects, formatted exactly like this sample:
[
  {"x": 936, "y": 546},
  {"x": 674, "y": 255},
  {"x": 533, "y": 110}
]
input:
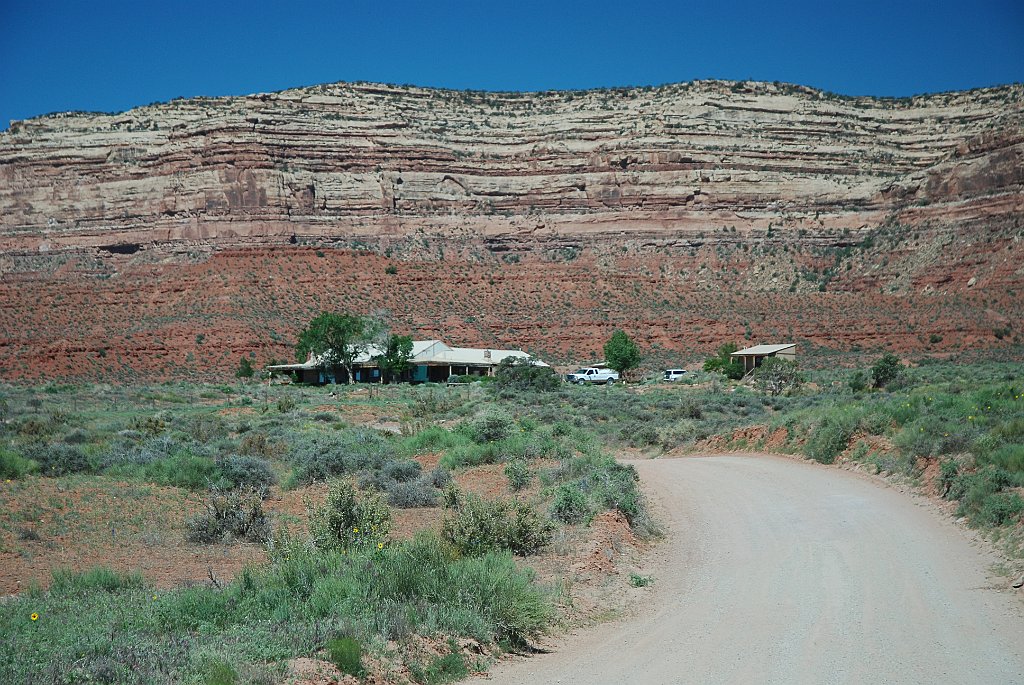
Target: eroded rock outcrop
[{"x": 172, "y": 238}]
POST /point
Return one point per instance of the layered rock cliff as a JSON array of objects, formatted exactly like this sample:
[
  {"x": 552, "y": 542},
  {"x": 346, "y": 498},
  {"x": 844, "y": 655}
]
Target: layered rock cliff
[{"x": 173, "y": 238}]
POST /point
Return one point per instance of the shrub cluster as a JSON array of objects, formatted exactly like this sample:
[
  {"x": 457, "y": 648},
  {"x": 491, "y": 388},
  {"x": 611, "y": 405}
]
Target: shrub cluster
[
  {"x": 475, "y": 526},
  {"x": 229, "y": 515},
  {"x": 349, "y": 518}
]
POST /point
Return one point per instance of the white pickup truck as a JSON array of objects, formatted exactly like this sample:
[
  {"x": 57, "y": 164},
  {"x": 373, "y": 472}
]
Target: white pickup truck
[{"x": 593, "y": 375}]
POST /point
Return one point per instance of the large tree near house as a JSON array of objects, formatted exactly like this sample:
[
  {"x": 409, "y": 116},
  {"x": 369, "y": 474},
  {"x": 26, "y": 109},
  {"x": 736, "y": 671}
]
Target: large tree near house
[
  {"x": 396, "y": 356},
  {"x": 337, "y": 339}
]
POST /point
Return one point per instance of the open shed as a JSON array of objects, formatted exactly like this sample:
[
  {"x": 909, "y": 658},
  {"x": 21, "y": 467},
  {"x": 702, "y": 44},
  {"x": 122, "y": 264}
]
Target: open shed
[{"x": 753, "y": 357}]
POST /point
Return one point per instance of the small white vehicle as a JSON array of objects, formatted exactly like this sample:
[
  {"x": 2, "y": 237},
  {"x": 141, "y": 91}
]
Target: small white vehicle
[
  {"x": 674, "y": 374},
  {"x": 593, "y": 375}
]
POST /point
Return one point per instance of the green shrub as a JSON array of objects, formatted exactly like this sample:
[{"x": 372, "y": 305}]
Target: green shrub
[
  {"x": 13, "y": 466},
  {"x": 640, "y": 434},
  {"x": 491, "y": 425},
  {"x": 1007, "y": 457},
  {"x": 347, "y": 654},
  {"x": 323, "y": 455},
  {"x": 518, "y": 474},
  {"x": 216, "y": 670},
  {"x": 349, "y": 518},
  {"x": 887, "y": 370},
  {"x": 476, "y": 526},
  {"x": 974, "y": 489},
  {"x": 1000, "y": 508},
  {"x": 411, "y": 494},
  {"x": 58, "y": 459},
  {"x": 858, "y": 381},
  {"x": 402, "y": 471},
  {"x": 948, "y": 472},
  {"x": 205, "y": 428},
  {"x": 570, "y": 505},
  {"x": 446, "y": 668},
  {"x": 237, "y": 471},
  {"x": 235, "y": 514},
  {"x": 828, "y": 441},
  {"x": 637, "y": 580}
]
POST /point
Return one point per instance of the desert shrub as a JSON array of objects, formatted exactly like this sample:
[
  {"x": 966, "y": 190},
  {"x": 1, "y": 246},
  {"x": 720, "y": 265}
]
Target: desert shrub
[
  {"x": 323, "y": 455},
  {"x": 99, "y": 579},
  {"x": 1007, "y": 457},
  {"x": 828, "y": 440},
  {"x": 204, "y": 428},
  {"x": 948, "y": 472},
  {"x": 76, "y": 436},
  {"x": 14, "y": 466},
  {"x": 411, "y": 494},
  {"x": 257, "y": 444},
  {"x": 491, "y": 425},
  {"x": 777, "y": 375},
  {"x": 237, "y": 471},
  {"x": 235, "y": 514},
  {"x": 640, "y": 434},
  {"x": 570, "y": 504},
  {"x": 858, "y": 381},
  {"x": 347, "y": 654},
  {"x": 215, "y": 670},
  {"x": 441, "y": 669},
  {"x": 974, "y": 490},
  {"x": 58, "y": 459},
  {"x": 402, "y": 471},
  {"x": 285, "y": 404},
  {"x": 920, "y": 438},
  {"x": 1000, "y": 508},
  {"x": 440, "y": 477},
  {"x": 349, "y": 518},
  {"x": 477, "y": 526},
  {"x": 887, "y": 370},
  {"x": 518, "y": 474}
]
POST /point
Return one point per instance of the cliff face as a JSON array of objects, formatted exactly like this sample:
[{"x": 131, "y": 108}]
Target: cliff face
[{"x": 173, "y": 238}]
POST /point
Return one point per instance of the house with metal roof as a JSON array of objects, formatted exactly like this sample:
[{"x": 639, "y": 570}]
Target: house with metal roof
[
  {"x": 432, "y": 361},
  {"x": 753, "y": 357}
]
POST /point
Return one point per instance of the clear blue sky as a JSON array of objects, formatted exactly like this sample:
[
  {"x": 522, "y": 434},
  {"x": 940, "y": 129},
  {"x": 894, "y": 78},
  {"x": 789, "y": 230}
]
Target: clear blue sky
[{"x": 110, "y": 56}]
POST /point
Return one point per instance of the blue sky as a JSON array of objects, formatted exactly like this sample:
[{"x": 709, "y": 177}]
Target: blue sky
[{"x": 110, "y": 56}]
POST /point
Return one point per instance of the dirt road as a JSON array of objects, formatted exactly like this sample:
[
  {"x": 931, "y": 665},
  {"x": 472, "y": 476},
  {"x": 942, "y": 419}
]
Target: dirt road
[{"x": 780, "y": 571}]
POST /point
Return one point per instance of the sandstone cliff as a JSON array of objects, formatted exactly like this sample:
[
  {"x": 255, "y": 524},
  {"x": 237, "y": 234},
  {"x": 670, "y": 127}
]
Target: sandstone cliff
[{"x": 173, "y": 238}]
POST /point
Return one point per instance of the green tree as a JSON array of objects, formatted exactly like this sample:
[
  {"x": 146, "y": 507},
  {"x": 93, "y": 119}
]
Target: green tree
[
  {"x": 886, "y": 370},
  {"x": 621, "y": 352},
  {"x": 776, "y": 375},
  {"x": 244, "y": 369},
  {"x": 337, "y": 339},
  {"x": 519, "y": 373},
  {"x": 396, "y": 356},
  {"x": 723, "y": 362}
]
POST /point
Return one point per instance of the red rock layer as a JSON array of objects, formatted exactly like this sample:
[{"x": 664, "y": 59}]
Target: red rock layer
[{"x": 171, "y": 239}]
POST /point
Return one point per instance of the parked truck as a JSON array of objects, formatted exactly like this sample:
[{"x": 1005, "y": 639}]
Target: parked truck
[{"x": 592, "y": 374}]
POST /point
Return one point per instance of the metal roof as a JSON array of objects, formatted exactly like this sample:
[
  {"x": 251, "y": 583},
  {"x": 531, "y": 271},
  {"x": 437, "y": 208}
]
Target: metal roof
[
  {"x": 425, "y": 352},
  {"x": 762, "y": 349}
]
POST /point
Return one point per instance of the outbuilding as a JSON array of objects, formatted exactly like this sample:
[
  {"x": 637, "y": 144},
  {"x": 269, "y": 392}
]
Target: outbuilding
[{"x": 753, "y": 357}]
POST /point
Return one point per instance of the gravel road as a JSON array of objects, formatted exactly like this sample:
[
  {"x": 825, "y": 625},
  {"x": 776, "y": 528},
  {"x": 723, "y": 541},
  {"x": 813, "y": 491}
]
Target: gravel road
[{"x": 781, "y": 571}]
